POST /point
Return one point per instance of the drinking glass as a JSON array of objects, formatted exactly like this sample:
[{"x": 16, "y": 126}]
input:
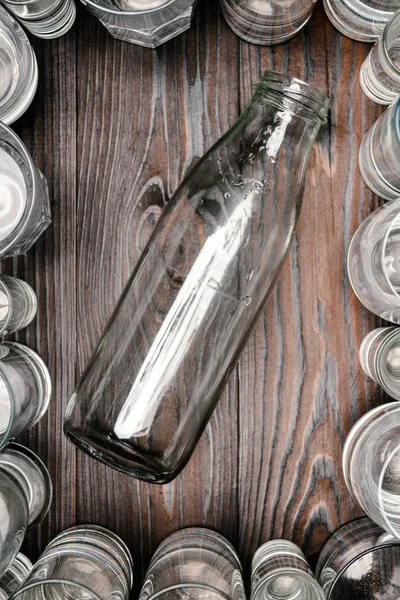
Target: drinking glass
[
  {"x": 373, "y": 262},
  {"x": 279, "y": 571},
  {"x": 194, "y": 563},
  {"x": 371, "y": 465},
  {"x": 18, "y": 304},
  {"x": 379, "y": 155},
  {"x": 46, "y": 19},
  {"x": 25, "y": 390},
  {"x": 24, "y": 208},
  {"x": 362, "y": 20},
  {"x": 360, "y": 562},
  {"x": 18, "y": 71},
  {"x": 86, "y": 562},
  {"x": 25, "y": 497},
  {"x": 17, "y": 573},
  {"x": 380, "y": 72},
  {"x": 267, "y": 22},
  {"x": 380, "y": 358},
  {"x": 145, "y": 22}
]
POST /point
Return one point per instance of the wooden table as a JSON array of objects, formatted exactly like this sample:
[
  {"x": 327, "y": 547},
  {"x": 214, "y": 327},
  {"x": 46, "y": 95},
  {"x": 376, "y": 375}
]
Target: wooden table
[{"x": 115, "y": 127}]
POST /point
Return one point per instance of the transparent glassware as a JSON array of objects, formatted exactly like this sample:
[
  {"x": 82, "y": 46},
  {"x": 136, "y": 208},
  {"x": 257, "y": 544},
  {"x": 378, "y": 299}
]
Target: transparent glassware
[
  {"x": 360, "y": 562},
  {"x": 280, "y": 571},
  {"x": 25, "y": 208},
  {"x": 25, "y": 497},
  {"x": 373, "y": 262},
  {"x": 18, "y": 70},
  {"x": 25, "y": 390},
  {"x": 46, "y": 19},
  {"x": 86, "y": 562},
  {"x": 371, "y": 465},
  {"x": 380, "y": 358},
  {"x": 379, "y": 155},
  {"x": 267, "y": 22},
  {"x": 192, "y": 301},
  {"x": 380, "y": 72},
  {"x": 194, "y": 563},
  {"x": 18, "y": 304},
  {"x": 15, "y": 576},
  {"x": 362, "y": 20},
  {"x": 144, "y": 22}
]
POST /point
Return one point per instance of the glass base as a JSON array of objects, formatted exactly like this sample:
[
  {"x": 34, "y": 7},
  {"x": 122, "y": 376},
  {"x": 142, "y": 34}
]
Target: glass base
[
  {"x": 352, "y": 25},
  {"x": 33, "y": 477},
  {"x": 121, "y": 25}
]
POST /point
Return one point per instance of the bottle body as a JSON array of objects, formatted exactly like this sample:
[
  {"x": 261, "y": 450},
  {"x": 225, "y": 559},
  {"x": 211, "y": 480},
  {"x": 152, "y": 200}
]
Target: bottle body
[{"x": 197, "y": 290}]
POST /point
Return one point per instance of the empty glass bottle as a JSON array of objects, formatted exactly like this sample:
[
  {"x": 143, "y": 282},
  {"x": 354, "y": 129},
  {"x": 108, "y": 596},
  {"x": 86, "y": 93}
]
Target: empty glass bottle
[{"x": 198, "y": 288}]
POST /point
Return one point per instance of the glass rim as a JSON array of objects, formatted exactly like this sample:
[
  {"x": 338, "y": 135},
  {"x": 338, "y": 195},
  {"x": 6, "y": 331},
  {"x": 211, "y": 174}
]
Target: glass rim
[
  {"x": 29, "y": 92},
  {"x": 380, "y": 359},
  {"x": 45, "y": 582},
  {"x": 384, "y": 544},
  {"x": 139, "y": 13},
  {"x": 394, "y": 221},
  {"x": 6, "y": 291},
  {"x": 309, "y": 580},
  {"x": 397, "y": 118},
  {"x": 41, "y": 467},
  {"x": 295, "y": 90},
  {"x": 30, "y": 195},
  {"x": 5, "y": 436},
  {"x": 383, "y": 42},
  {"x": 282, "y": 548},
  {"x": 384, "y": 513},
  {"x": 205, "y": 532},
  {"x": 359, "y": 430}
]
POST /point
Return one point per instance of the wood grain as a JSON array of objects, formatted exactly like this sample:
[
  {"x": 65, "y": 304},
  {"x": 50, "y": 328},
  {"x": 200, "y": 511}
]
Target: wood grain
[{"x": 115, "y": 127}]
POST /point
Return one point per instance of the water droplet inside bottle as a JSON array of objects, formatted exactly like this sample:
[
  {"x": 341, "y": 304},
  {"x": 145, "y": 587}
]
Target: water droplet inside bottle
[
  {"x": 249, "y": 275},
  {"x": 201, "y": 201},
  {"x": 227, "y": 195},
  {"x": 247, "y": 300}
]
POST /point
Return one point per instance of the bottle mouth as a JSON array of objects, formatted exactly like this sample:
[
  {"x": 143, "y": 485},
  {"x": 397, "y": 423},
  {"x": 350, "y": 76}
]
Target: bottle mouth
[{"x": 297, "y": 96}]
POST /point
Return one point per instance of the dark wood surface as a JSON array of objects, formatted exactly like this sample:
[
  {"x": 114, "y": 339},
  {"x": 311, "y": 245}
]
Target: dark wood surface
[{"x": 115, "y": 127}]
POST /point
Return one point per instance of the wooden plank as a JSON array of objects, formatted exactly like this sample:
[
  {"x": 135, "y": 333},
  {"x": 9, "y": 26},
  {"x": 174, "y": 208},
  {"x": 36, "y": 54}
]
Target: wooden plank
[
  {"x": 144, "y": 117},
  {"x": 48, "y": 129},
  {"x": 301, "y": 386}
]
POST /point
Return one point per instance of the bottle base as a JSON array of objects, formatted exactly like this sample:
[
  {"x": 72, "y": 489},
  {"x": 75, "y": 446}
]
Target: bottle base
[{"x": 119, "y": 455}]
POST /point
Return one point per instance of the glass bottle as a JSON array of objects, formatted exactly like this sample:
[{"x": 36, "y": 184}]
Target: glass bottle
[{"x": 198, "y": 289}]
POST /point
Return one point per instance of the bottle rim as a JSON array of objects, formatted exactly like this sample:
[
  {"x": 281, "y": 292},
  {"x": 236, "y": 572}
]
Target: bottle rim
[{"x": 297, "y": 93}]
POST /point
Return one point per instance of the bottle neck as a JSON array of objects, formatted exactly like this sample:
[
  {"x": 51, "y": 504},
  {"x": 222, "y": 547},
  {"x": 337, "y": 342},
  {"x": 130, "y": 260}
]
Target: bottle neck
[{"x": 294, "y": 96}]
